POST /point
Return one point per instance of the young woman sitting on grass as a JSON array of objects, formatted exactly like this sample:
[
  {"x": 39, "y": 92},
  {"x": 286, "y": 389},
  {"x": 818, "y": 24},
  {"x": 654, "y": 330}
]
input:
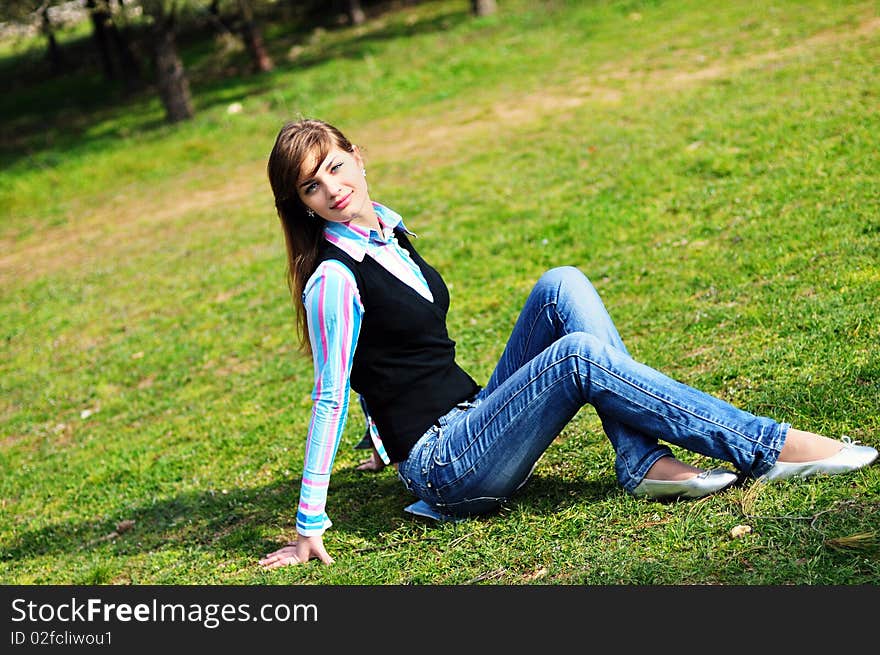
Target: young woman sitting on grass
[{"x": 373, "y": 314}]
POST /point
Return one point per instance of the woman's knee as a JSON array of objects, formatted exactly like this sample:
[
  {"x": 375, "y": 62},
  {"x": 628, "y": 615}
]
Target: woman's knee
[
  {"x": 583, "y": 344},
  {"x": 565, "y": 279},
  {"x": 562, "y": 275}
]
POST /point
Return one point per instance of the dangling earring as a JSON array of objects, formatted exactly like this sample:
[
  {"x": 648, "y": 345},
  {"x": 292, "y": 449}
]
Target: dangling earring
[
  {"x": 310, "y": 212},
  {"x": 365, "y": 172}
]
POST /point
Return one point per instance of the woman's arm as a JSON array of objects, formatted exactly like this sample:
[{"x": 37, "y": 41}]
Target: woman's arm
[
  {"x": 334, "y": 313},
  {"x": 378, "y": 458}
]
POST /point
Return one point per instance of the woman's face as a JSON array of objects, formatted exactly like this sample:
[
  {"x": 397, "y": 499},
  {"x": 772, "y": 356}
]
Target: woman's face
[{"x": 337, "y": 191}]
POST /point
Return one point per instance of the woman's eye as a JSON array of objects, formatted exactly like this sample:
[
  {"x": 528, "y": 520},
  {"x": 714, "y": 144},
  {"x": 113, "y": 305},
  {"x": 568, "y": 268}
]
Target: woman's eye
[
  {"x": 311, "y": 187},
  {"x": 336, "y": 167}
]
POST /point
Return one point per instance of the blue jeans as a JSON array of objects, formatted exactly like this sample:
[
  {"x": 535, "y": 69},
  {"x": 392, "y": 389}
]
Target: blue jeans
[{"x": 564, "y": 352}]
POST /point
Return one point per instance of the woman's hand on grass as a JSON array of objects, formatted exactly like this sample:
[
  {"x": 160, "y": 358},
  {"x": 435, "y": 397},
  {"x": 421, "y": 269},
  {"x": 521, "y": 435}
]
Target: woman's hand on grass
[
  {"x": 298, "y": 552},
  {"x": 372, "y": 463}
]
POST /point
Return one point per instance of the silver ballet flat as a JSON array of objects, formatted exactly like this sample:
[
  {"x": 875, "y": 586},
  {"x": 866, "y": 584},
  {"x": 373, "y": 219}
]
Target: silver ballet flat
[
  {"x": 702, "y": 484},
  {"x": 849, "y": 458}
]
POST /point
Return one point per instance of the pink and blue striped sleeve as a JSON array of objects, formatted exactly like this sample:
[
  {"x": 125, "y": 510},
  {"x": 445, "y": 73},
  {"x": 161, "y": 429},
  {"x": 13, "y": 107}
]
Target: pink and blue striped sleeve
[{"x": 334, "y": 312}]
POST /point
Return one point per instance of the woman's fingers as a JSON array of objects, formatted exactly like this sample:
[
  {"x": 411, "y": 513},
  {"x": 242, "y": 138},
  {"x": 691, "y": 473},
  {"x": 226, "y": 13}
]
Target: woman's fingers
[
  {"x": 281, "y": 557},
  {"x": 296, "y": 553},
  {"x": 372, "y": 463}
]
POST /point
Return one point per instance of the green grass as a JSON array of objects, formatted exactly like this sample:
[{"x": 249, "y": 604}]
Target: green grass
[{"x": 714, "y": 173}]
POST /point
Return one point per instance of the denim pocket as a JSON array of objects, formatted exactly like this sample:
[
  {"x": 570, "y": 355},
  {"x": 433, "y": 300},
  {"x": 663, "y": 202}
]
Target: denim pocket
[{"x": 415, "y": 470}]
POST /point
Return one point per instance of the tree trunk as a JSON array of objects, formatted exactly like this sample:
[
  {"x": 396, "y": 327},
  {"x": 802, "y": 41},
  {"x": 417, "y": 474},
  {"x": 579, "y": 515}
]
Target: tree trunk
[
  {"x": 171, "y": 77},
  {"x": 99, "y": 17},
  {"x": 356, "y": 15},
  {"x": 483, "y": 7},
  {"x": 216, "y": 18},
  {"x": 55, "y": 60},
  {"x": 253, "y": 38},
  {"x": 128, "y": 64}
]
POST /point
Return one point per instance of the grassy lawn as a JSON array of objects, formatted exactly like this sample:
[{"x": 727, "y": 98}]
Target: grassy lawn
[{"x": 715, "y": 173}]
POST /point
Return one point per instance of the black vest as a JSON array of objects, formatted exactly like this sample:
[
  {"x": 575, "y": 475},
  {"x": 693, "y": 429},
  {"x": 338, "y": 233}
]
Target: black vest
[{"x": 404, "y": 365}]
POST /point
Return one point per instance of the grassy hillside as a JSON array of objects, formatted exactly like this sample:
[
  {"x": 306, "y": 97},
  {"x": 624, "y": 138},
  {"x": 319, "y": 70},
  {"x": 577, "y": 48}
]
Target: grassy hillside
[{"x": 714, "y": 173}]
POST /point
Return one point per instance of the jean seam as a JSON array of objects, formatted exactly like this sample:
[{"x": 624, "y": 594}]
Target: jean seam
[
  {"x": 677, "y": 422},
  {"x": 653, "y": 394},
  {"x": 538, "y": 314}
]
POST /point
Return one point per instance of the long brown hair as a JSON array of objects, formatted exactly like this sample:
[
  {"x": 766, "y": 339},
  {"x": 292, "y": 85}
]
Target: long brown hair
[{"x": 297, "y": 143}]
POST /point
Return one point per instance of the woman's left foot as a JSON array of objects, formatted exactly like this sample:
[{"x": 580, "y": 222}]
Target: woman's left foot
[
  {"x": 669, "y": 478},
  {"x": 702, "y": 484}
]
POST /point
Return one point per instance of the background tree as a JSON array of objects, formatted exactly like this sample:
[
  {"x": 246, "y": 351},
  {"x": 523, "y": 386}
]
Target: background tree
[
  {"x": 241, "y": 22},
  {"x": 114, "y": 48},
  {"x": 130, "y": 68},
  {"x": 253, "y": 38},
  {"x": 171, "y": 77},
  {"x": 56, "y": 61},
  {"x": 36, "y": 12},
  {"x": 483, "y": 7},
  {"x": 99, "y": 14},
  {"x": 356, "y": 15}
]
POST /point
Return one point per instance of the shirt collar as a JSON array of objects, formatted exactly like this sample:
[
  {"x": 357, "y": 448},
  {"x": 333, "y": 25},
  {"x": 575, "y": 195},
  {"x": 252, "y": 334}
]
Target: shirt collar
[{"x": 354, "y": 240}]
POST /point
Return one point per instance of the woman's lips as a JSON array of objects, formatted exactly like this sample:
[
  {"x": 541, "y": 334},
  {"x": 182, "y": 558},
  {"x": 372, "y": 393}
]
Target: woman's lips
[{"x": 343, "y": 203}]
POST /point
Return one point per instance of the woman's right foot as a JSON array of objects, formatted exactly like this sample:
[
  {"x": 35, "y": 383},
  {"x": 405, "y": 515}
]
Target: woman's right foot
[
  {"x": 801, "y": 446},
  {"x": 805, "y": 454}
]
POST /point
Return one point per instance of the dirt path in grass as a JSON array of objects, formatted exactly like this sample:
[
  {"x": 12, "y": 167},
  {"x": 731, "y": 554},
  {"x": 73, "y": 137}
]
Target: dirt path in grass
[
  {"x": 123, "y": 224},
  {"x": 610, "y": 86}
]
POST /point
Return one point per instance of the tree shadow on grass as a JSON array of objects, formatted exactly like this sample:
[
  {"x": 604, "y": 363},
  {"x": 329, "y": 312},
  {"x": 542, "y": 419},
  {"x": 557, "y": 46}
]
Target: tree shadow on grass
[
  {"x": 225, "y": 519},
  {"x": 235, "y": 521}
]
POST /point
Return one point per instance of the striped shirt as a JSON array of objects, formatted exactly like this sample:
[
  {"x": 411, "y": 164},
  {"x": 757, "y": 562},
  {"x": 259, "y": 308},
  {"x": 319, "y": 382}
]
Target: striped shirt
[{"x": 334, "y": 313}]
